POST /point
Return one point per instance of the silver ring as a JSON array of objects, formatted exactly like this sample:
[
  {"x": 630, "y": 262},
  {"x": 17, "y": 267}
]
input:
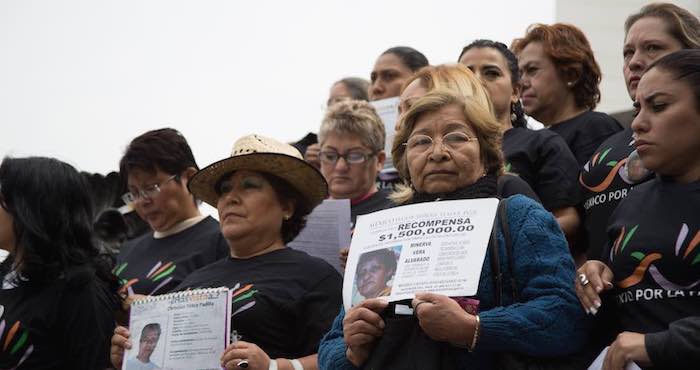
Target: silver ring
[
  {"x": 243, "y": 364},
  {"x": 583, "y": 279}
]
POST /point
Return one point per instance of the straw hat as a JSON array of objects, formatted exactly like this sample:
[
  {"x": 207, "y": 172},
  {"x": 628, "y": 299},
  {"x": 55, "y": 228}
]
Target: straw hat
[{"x": 262, "y": 154}]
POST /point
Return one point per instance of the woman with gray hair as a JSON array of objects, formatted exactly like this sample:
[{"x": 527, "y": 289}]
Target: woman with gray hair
[{"x": 352, "y": 154}]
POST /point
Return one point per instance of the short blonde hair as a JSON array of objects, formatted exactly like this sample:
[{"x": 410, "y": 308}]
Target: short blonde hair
[
  {"x": 487, "y": 129},
  {"x": 456, "y": 77},
  {"x": 357, "y": 118}
]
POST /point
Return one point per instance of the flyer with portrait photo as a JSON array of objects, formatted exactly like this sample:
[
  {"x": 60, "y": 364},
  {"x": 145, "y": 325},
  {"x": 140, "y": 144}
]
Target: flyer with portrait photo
[
  {"x": 183, "y": 330},
  {"x": 436, "y": 247}
]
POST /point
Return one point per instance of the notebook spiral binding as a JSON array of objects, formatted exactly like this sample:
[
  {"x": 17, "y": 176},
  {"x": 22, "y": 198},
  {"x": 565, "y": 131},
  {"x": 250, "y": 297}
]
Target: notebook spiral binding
[{"x": 184, "y": 293}]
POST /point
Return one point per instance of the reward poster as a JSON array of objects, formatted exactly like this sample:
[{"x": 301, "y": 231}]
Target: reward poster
[{"x": 434, "y": 247}]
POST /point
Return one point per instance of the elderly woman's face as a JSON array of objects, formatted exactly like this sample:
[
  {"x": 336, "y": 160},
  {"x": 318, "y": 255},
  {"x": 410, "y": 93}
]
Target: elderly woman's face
[
  {"x": 542, "y": 89},
  {"x": 248, "y": 205},
  {"x": 349, "y": 180},
  {"x": 452, "y": 161},
  {"x": 667, "y": 128}
]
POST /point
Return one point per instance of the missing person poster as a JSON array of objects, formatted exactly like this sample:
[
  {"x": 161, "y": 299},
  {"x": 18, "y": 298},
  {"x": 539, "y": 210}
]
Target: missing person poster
[
  {"x": 434, "y": 247},
  {"x": 184, "y": 330}
]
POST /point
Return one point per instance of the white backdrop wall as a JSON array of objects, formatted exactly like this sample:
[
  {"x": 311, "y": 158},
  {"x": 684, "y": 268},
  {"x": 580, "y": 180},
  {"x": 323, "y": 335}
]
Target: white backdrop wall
[{"x": 80, "y": 78}]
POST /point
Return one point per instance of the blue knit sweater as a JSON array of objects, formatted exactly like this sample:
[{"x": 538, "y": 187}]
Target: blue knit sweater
[{"x": 550, "y": 322}]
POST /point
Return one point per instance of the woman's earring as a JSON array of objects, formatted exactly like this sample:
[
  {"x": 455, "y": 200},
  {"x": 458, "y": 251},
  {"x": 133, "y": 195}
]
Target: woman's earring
[
  {"x": 286, "y": 217},
  {"x": 569, "y": 84},
  {"x": 513, "y": 116}
]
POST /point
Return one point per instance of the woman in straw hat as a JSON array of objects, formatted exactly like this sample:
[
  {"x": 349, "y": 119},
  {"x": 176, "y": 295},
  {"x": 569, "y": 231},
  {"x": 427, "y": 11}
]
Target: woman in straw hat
[{"x": 284, "y": 300}]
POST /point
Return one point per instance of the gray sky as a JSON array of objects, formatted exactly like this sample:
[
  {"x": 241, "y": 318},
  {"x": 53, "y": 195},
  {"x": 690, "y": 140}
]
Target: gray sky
[{"x": 80, "y": 78}]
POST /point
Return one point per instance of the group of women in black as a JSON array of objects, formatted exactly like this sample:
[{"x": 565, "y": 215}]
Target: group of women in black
[{"x": 625, "y": 199}]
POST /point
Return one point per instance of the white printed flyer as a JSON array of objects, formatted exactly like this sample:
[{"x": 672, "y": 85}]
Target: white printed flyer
[
  {"x": 183, "y": 330},
  {"x": 436, "y": 247},
  {"x": 327, "y": 231}
]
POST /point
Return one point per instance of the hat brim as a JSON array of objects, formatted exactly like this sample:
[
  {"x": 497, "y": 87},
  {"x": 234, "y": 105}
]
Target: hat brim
[{"x": 306, "y": 179}]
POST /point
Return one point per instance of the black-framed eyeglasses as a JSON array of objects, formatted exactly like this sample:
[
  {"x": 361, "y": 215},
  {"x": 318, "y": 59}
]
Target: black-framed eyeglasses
[
  {"x": 331, "y": 157},
  {"x": 148, "y": 192},
  {"x": 452, "y": 141}
]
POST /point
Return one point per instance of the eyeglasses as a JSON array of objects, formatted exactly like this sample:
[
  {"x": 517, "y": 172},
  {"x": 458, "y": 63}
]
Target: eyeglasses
[
  {"x": 148, "y": 192},
  {"x": 451, "y": 141},
  {"x": 332, "y": 157}
]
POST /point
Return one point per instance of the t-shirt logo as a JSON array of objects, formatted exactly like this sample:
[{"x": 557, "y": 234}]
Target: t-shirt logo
[
  {"x": 159, "y": 272},
  {"x": 647, "y": 261},
  {"x": 15, "y": 342},
  {"x": 613, "y": 168},
  {"x": 240, "y": 295}
]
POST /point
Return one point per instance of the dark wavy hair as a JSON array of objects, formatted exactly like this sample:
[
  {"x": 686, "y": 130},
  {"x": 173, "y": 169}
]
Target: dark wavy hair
[
  {"x": 411, "y": 58},
  {"x": 51, "y": 211},
  {"x": 385, "y": 256},
  {"x": 569, "y": 49},
  {"x": 684, "y": 66},
  {"x": 512, "y": 60}
]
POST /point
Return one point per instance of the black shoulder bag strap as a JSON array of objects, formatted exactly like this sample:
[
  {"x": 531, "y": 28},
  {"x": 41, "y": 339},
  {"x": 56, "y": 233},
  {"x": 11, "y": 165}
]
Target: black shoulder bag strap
[
  {"x": 502, "y": 214},
  {"x": 494, "y": 254}
]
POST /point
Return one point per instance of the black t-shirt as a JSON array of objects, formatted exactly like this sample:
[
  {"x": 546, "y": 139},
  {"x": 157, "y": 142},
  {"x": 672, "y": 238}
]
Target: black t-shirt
[
  {"x": 585, "y": 132},
  {"x": 509, "y": 184},
  {"x": 283, "y": 301},
  {"x": 155, "y": 266},
  {"x": 604, "y": 184},
  {"x": 375, "y": 202},
  {"x": 545, "y": 162},
  {"x": 64, "y": 325},
  {"x": 654, "y": 236}
]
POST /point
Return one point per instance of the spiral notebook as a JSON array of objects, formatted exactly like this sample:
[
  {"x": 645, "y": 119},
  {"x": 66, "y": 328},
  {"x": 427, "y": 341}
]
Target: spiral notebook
[{"x": 183, "y": 330}]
